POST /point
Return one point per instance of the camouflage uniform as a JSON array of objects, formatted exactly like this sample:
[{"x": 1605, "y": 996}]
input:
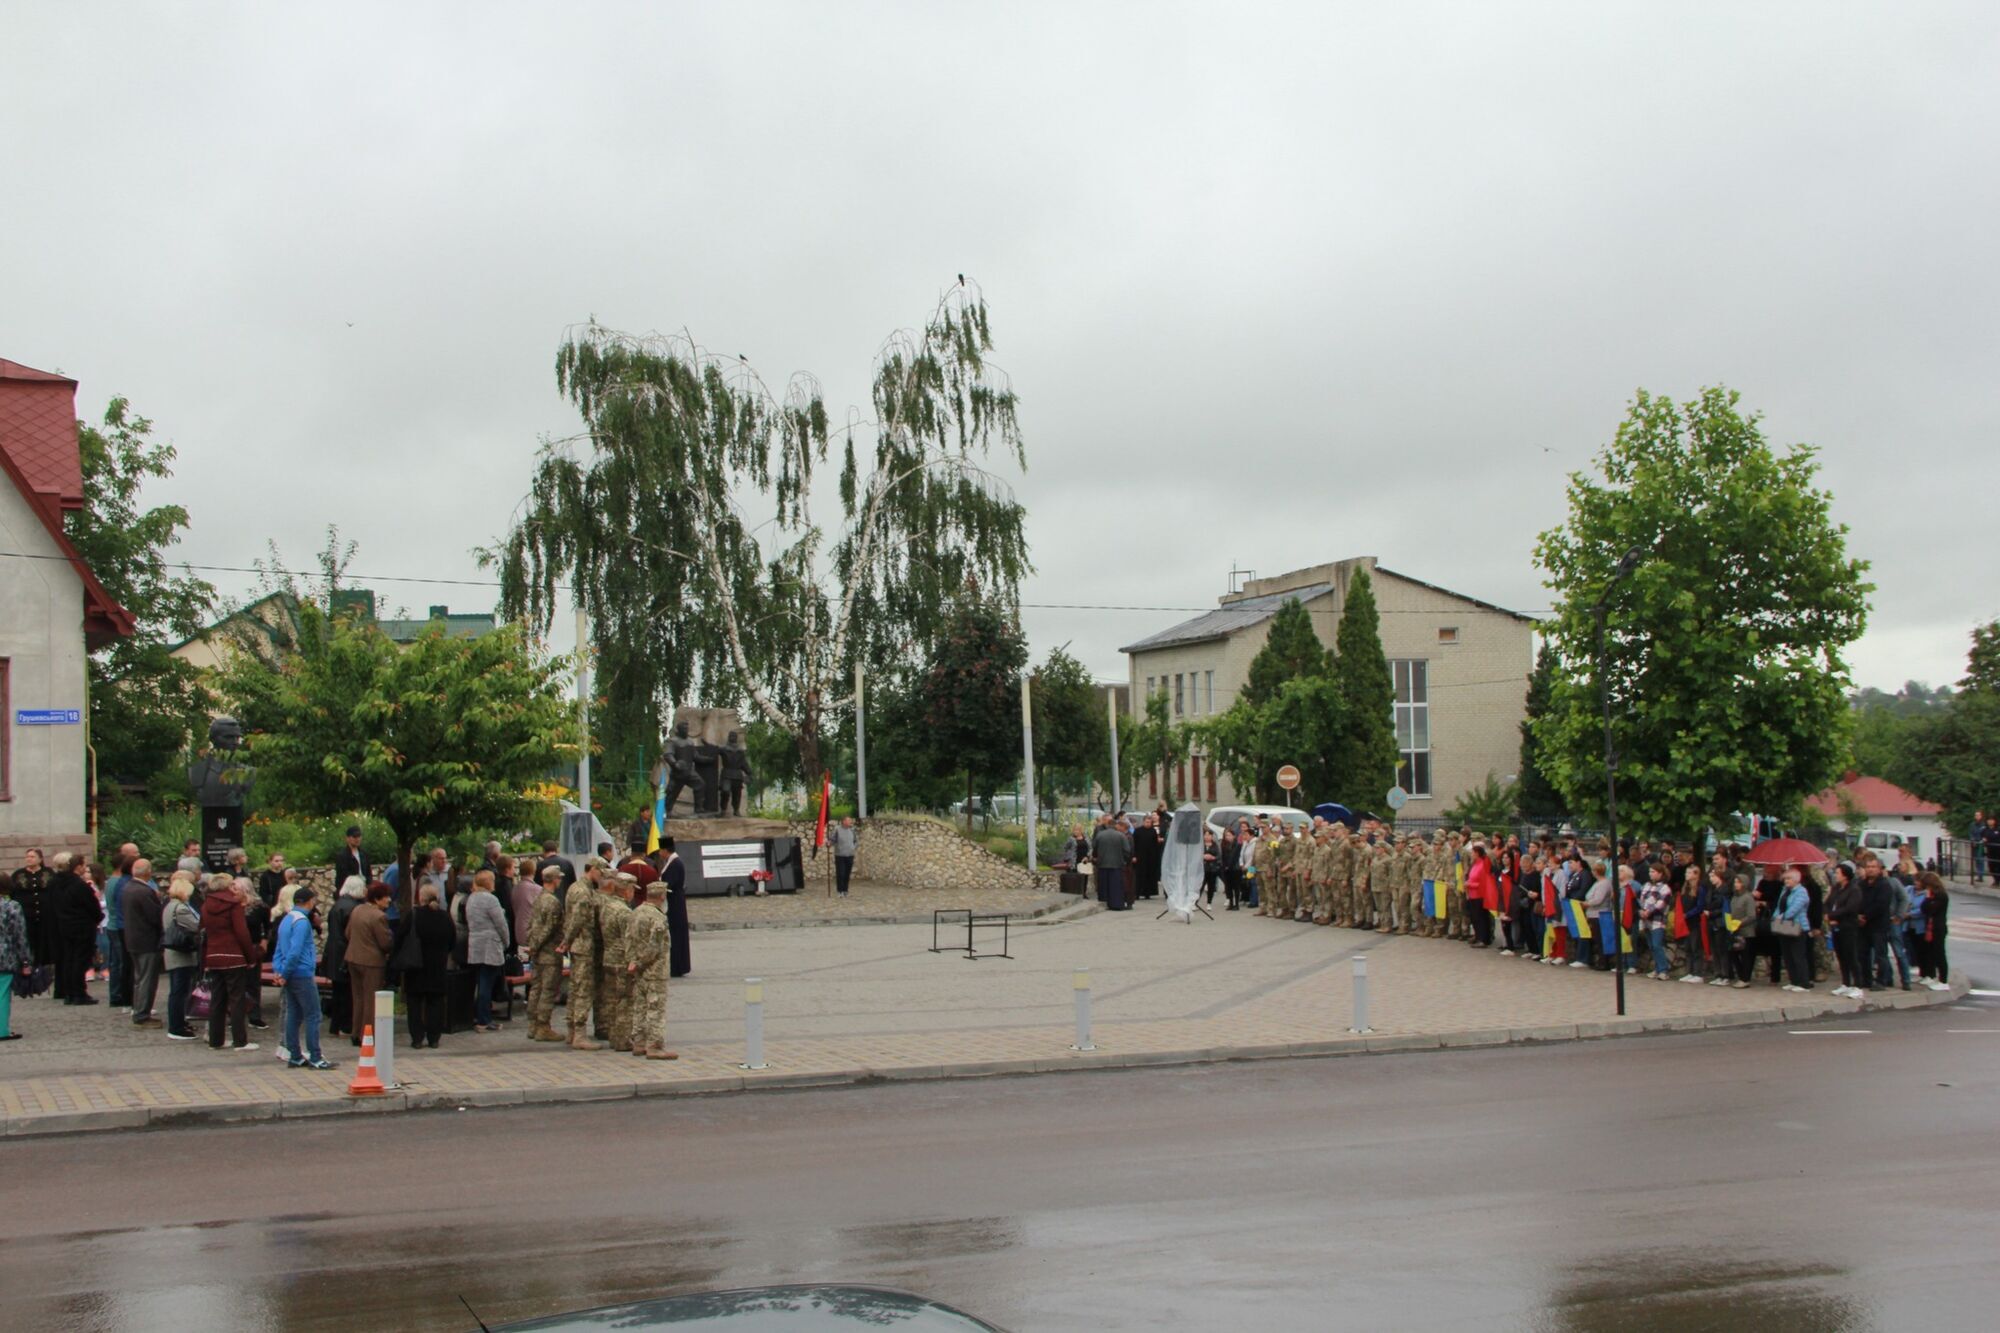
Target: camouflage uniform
[
  {"x": 1357, "y": 885},
  {"x": 1406, "y": 887},
  {"x": 580, "y": 940},
  {"x": 545, "y": 932},
  {"x": 1434, "y": 874},
  {"x": 1454, "y": 874},
  {"x": 1339, "y": 866},
  {"x": 1322, "y": 871},
  {"x": 1381, "y": 887},
  {"x": 646, "y": 949},
  {"x": 614, "y": 918}
]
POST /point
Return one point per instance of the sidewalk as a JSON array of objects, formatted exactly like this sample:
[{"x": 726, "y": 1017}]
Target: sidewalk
[{"x": 871, "y": 1002}]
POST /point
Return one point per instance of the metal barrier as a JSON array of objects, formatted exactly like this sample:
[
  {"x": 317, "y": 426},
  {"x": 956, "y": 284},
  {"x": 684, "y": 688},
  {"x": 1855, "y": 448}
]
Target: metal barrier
[{"x": 974, "y": 921}]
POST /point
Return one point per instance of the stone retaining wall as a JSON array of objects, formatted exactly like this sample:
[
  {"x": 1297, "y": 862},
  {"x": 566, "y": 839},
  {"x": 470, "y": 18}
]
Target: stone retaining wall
[{"x": 916, "y": 853}]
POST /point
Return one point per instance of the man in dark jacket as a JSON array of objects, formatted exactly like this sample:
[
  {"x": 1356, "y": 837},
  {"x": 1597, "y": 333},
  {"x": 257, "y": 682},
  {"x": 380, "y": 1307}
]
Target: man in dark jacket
[
  {"x": 76, "y": 915},
  {"x": 143, "y": 924},
  {"x": 270, "y": 881},
  {"x": 31, "y": 886},
  {"x": 1878, "y": 912},
  {"x": 350, "y": 860},
  {"x": 1111, "y": 851}
]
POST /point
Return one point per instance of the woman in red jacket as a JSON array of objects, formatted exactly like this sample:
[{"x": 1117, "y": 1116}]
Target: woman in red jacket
[
  {"x": 1481, "y": 892},
  {"x": 228, "y": 953}
]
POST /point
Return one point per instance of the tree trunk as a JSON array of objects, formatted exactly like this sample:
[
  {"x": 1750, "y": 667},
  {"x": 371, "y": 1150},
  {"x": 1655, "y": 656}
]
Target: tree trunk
[
  {"x": 968, "y": 802},
  {"x": 809, "y": 754}
]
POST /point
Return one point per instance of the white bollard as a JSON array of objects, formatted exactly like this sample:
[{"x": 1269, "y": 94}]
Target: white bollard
[
  {"x": 385, "y": 1037},
  {"x": 753, "y": 1023},
  {"x": 1361, "y": 995},
  {"x": 1080, "y": 984}
]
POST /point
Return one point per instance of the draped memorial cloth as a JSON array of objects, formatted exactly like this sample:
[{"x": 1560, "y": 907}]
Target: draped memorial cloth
[{"x": 1181, "y": 863}]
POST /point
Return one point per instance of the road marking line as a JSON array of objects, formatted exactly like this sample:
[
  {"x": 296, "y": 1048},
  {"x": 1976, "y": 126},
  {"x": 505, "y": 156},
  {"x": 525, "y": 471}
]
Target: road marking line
[
  {"x": 1972, "y": 1029},
  {"x": 1832, "y": 1032},
  {"x": 1983, "y": 992}
]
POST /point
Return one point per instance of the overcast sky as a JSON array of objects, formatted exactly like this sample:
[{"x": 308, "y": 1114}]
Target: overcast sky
[{"x": 1275, "y": 285}]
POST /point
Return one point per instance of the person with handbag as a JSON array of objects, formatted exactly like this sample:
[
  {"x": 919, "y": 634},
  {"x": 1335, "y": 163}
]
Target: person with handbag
[
  {"x": 424, "y": 943},
  {"x": 180, "y": 941},
  {"x": 369, "y": 943},
  {"x": 1791, "y": 926},
  {"x": 292, "y": 967},
  {"x": 229, "y": 957},
  {"x": 487, "y": 934},
  {"x": 16, "y": 959}
]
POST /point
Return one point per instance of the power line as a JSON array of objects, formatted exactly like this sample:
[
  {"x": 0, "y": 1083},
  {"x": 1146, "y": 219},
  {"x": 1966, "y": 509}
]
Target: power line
[{"x": 563, "y": 587}]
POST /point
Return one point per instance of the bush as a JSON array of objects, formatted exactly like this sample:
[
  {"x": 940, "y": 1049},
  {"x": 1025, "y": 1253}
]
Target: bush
[{"x": 304, "y": 841}]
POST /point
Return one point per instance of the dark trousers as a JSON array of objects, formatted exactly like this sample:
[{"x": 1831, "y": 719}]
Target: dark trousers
[
  {"x": 1482, "y": 921},
  {"x": 843, "y": 871},
  {"x": 1742, "y": 963},
  {"x": 1847, "y": 943},
  {"x": 1797, "y": 951},
  {"x": 180, "y": 985},
  {"x": 426, "y": 1015},
  {"x": 1111, "y": 888},
  {"x": 1878, "y": 958},
  {"x": 339, "y": 1003},
  {"x": 115, "y": 962},
  {"x": 145, "y": 983},
  {"x": 71, "y": 964},
  {"x": 1936, "y": 965},
  {"x": 229, "y": 1002}
]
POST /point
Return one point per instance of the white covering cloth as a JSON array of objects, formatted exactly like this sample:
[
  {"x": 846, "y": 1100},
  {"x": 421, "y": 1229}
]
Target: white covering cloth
[{"x": 1181, "y": 862}]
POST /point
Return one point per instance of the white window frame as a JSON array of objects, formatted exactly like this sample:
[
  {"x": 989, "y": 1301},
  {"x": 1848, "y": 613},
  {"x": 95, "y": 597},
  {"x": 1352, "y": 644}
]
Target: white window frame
[{"x": 1411, "y": 716}]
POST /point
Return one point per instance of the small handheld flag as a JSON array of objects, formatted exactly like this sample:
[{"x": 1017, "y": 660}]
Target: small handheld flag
[
  {"x": 1579, "y": 920},
  {"x": 659, "y": 815},
  {"x": 825, "y": 797}
]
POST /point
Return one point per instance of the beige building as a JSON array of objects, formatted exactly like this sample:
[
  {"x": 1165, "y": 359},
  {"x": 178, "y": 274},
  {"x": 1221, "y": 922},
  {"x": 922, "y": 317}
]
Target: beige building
[{"x": 1460, "y": 665}]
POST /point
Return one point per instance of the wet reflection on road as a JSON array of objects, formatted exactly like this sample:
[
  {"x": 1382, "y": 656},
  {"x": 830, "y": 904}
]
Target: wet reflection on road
[{"x": 1684, "y": 1290}]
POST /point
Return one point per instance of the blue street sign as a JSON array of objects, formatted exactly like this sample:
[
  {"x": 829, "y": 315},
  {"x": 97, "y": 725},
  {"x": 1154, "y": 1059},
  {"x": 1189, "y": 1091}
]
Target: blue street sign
[{"x": 48, "y": 717}]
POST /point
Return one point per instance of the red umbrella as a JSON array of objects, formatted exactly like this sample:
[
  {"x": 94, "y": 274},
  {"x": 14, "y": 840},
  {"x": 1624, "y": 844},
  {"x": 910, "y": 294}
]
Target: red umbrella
[{"x": 1784, "y": 852}]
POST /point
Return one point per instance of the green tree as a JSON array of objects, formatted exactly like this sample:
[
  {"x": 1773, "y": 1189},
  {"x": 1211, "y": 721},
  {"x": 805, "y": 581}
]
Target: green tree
[
  {"x": 1290, "y": 650},
  {"x": 972, "y": 696},
  {"x": 1305, "y": 724},
  {"x": 1951, "y": 755},
  {"x": 1487, "y": 807},
  {"x": 144, "y": 702},
  {"x": 1368, "y": 755},
  {"x": 1235, "y": 740},
  {"x": 438, "y": 738},
  {"x": 656, "y": 525},
  {"x": 1155, "y": 743},
  {"x": 1538, "y": 795},
  {"x": 1725, "y": 644},
  {"x": 1072, "y": 736}
]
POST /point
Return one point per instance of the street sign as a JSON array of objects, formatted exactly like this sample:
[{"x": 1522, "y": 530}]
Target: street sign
[
  {"x": 1397, "y": 798},
  {"x": 1288, "y": 777},
  {"x": 48, "y": 717}
]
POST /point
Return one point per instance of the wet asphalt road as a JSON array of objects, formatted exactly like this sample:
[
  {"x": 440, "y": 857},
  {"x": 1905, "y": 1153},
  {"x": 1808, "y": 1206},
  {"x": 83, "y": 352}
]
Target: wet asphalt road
[{"x": 1823, "y": 1180}]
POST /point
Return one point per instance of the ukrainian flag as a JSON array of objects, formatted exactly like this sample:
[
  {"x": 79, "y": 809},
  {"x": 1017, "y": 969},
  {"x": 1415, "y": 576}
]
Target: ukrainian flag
[
  {"x": 1579, "y": 921},
  {"x": 659, "y": 815},
  {"x": 1433, "y": 901},
  {"x": 1549, "y": 940},
  {"x": 1732, "y": 923}
]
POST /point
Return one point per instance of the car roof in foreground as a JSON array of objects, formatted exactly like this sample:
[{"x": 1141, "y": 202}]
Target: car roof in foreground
[{"x": 818, "y": 1306}]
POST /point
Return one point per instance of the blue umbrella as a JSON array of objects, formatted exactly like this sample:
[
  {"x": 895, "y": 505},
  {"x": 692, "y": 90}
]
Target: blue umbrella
[{"x": 1334, "y": 813}]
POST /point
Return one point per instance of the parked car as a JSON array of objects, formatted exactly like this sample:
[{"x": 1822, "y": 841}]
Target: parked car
[{"x": 1225, "y": 816}]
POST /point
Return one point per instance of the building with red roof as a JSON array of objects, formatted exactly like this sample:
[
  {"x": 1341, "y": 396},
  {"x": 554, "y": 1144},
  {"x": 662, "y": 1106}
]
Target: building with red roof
[
  {"x": 1893, "y": 816},
  {"x": 53, "y": 611}
]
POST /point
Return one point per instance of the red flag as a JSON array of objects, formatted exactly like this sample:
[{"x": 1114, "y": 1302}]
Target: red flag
[
  {"x": 1680, "y": 919},
  {"x": 825, "y": 796},
  {"x": 1631, "y": 907}
]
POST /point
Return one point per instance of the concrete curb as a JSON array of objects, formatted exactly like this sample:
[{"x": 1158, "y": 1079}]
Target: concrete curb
[{"x": 417, "y": 1098}]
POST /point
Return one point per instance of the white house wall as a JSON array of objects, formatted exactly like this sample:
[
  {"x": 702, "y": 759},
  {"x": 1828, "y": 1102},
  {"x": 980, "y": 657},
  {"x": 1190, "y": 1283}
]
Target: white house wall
[{"x": 41, "y": 636}]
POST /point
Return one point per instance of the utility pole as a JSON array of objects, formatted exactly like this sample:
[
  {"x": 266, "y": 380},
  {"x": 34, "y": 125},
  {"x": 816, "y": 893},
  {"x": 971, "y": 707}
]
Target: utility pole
[
  {"x": 1111, "y": 709},
  {"x": 860, "y": 750},
  {"x": 1028, "y": 760},
  {"x": 583, "y": 710}
]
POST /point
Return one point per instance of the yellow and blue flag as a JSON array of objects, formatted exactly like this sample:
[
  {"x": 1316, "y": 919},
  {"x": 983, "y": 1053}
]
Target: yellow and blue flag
[
  {"x": 659, "y": 815},
  {"x": 1433, "y": 904},
  {"x": 1577, "y": 918}
]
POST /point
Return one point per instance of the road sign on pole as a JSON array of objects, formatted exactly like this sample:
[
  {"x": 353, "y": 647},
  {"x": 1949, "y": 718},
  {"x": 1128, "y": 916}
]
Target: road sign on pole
[
  {"x": 1288, "y": 777},
  {"x": 1397, "y": 798}
]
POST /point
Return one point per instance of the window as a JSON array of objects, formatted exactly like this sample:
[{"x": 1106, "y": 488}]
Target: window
[
  {"x": 1210, "y": 709},
  {"x": 1447, "y": 634},
  {"x": 1413, "y": 724},
  {"x": 1148, "y": 695},
  {"x": 1177, "y": 694}
]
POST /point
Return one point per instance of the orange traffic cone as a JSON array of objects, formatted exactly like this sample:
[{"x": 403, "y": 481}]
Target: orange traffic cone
[{"x": 367, "y": 1083}]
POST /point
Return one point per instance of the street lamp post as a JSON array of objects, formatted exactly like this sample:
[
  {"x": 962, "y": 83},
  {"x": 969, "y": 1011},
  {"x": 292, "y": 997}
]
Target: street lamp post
[{"x": 1626, "y": 564}]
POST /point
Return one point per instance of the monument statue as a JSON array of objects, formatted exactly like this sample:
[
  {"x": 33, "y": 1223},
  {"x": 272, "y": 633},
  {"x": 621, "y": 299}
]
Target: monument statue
[
  {"x": 218, "y": 777},
  {"x": 683, "y": 769},
  {"x": 735, "y": 775},
  {"x": 221, "y": 781}
]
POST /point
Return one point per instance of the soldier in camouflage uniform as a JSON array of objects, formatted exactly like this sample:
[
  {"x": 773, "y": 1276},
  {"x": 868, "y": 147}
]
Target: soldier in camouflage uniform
[
  {"x": 646, "y": 966},
  {"x": 1406, "y": 886},
  {"x": 1339, "y": 855},
  {"x": 1381, "y": 886},
  {"x": 1357, "y": 882},
  {"x": 1322, "y": 877},
  {"x": 580, "y": 942},
  {"x": 1454, "y": 878},
  {"x": 1434, "y": 856},
  {"x": 614, "y": 918},
  {"x": 544, "y": 947}
]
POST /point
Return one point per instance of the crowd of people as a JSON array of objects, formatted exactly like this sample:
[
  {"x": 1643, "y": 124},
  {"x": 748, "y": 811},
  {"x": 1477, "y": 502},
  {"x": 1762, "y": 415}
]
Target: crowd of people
[
  {"x": 229, "y": 945},
  {"x": 1660, "y": 909}
]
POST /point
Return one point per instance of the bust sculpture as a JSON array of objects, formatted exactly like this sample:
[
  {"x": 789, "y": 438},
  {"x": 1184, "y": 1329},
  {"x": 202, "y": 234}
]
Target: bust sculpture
[{"x": 217, "y": 777}]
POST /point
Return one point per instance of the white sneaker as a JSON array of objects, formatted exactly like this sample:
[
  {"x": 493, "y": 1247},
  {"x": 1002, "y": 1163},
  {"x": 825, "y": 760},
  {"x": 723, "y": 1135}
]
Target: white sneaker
[
  {"x": 246, "y": 1046},
  {"x": 1576, "y": 964},
  {"x": 1720, "y": 981},
  {"x": 1796, "y": 990},
  {"x": 284, "y": 1054},
  {"x": 1691, "y": 979},
  {"x": 1938, "y": 985},
  {"x": 1506, "y": 953}
]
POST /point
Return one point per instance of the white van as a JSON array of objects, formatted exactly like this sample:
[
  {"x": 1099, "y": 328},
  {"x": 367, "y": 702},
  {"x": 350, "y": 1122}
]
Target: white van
[{"x": 1224, "y": 817}]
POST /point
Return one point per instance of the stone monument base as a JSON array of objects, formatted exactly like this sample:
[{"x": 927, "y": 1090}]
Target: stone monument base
[{"x": 720, "y": 855}]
